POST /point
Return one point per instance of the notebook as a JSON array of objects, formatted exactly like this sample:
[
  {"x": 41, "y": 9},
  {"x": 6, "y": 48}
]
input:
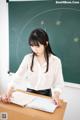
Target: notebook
[{"x": 32, "y": 101}]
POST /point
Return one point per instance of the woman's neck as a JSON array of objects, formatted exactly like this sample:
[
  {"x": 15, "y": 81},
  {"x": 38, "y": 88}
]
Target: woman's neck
[{"x": 41, "y": 59}]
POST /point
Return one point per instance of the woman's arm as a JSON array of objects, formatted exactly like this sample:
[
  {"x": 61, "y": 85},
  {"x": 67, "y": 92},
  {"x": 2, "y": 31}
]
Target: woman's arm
[
  {"x": 58, "y": 84},
  {"x": 18, "y": 75}
]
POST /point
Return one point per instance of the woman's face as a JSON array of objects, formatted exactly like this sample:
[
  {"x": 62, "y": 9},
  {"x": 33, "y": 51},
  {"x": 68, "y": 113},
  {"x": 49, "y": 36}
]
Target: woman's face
[{"x": 38, "y": 50}]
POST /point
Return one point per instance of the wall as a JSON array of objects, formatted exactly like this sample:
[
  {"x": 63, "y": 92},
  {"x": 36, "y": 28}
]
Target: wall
[
  {"x": 4, "y": 44},
  {"x": 72, "y": 96}
]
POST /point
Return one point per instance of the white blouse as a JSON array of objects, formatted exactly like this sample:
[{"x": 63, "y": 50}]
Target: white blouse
[{"x": 39, "y": 79}]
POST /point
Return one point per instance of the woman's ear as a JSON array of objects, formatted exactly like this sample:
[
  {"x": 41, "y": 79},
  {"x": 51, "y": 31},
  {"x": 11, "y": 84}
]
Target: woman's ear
[{"x": 47, "y": 43}]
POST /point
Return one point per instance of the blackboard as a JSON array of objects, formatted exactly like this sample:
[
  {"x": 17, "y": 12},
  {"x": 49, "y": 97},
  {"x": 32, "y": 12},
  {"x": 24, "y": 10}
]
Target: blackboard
[{"x": 62, "y": 23}]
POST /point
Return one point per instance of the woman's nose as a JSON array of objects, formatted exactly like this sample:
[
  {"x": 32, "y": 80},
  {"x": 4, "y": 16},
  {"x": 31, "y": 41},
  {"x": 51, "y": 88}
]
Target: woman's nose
[{"x": 35, "y": 49}]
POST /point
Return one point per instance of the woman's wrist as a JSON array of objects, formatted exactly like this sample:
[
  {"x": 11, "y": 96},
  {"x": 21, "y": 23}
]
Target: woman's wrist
[
  {"x": 10, "y": 91},
  {"x": 56, "y": 94}
]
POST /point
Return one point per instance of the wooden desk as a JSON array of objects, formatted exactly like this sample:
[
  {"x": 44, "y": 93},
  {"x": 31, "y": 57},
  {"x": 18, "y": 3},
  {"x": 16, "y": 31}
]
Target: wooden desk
[{"x": 16, "y": 112}]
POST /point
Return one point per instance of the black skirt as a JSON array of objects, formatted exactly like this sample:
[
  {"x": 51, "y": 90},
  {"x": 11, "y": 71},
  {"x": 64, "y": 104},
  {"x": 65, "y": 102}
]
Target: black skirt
[{"x": 46, "y": 92}]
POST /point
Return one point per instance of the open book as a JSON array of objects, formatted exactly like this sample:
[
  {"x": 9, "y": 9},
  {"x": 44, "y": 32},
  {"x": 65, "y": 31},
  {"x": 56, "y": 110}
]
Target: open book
[{"x": 31, "y": 101}]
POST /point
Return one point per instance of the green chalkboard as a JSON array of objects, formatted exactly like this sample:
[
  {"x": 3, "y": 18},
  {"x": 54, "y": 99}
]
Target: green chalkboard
[{"x": 62, "y": 23}]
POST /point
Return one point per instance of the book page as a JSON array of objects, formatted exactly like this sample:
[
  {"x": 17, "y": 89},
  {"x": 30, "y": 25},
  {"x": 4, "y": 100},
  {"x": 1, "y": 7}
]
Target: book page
[
  {"x": 21, "y": 98},
  {"x": 43, "y": 104}
]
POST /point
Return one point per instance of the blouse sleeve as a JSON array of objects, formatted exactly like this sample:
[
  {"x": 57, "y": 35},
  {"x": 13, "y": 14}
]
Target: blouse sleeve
[
  {"x": 19, "y": 75},
  {"x": 59, "y": 81}
]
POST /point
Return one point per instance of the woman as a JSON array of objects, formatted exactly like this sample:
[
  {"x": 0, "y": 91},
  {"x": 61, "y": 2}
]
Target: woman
[{"x": 41, "y": 69}]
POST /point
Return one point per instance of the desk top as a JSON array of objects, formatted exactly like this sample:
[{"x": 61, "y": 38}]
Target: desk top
[{"x": 16, "y": 112}]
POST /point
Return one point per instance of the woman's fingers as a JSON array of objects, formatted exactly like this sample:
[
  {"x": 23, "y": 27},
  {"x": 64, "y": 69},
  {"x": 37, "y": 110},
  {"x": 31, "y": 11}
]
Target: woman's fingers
[
  {"x": 57, "y": 101},
  {"x": 5, "y": 99}
]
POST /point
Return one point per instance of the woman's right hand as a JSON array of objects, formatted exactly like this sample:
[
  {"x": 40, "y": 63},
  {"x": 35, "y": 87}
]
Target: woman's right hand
[{"x": 6, "y": 98}]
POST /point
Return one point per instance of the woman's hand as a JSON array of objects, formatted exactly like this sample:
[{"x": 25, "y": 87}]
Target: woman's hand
[
  {"x": 56, "y": 98},
  {"x": 6, "y": 98}
]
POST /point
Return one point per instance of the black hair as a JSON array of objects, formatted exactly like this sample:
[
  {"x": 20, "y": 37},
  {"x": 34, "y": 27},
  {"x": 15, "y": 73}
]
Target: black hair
[{"x": 39, "y": 36}]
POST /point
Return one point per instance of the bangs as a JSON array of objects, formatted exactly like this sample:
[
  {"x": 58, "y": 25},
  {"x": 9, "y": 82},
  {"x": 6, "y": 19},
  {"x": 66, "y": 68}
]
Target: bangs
[
  {"x": 33, "y": 42},
  {"x": 38, "y": 37}
]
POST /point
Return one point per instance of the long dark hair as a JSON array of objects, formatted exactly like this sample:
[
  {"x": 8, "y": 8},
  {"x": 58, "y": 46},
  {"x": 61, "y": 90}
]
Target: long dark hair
[{"x": 40, "y": 36}]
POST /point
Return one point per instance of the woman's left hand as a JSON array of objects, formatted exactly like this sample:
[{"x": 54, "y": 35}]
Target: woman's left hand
[{"x": 56, "y": 98}]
